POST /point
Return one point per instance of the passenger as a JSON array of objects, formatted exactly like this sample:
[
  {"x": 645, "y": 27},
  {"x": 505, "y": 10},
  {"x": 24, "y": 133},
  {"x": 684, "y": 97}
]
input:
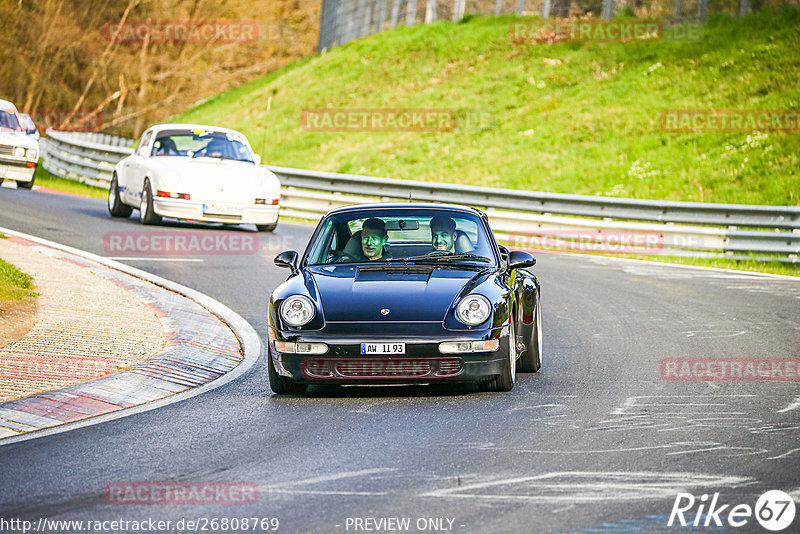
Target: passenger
[{"x": 443, "y": 233}]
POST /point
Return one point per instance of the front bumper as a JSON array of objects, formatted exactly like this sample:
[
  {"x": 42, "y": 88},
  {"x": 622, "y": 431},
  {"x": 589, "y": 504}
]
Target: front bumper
[
  {"x": 423, "y": 362},
  {"x": 189, "y": 209},
  {"x": 17, "y": 170}
]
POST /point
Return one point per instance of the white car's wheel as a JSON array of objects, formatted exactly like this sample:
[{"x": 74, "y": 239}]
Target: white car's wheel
[
  {"x": 115, "y": 205},
  {"x": 146, "y": 213}
]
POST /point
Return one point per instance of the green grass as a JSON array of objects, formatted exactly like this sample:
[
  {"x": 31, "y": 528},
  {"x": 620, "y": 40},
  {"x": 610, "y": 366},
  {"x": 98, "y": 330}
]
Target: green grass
[
  {"x": 773, "y": 267},
  {"x": 14, "y": 284},
  {"x": 45, "y": 179},
  {"x": 569, "y": 117}
]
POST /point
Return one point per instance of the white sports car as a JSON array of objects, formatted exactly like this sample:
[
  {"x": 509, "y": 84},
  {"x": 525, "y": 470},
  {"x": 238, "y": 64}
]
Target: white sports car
[
  {"x": 19, "y": 154},
  {"x": 195, "y": 172}
]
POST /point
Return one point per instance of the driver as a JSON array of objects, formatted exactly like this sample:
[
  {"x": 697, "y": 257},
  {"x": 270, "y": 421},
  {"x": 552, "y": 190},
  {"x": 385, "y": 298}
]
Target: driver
[
  {"x": 443, "y": 233},
  {"x": 373, "y": 238}
]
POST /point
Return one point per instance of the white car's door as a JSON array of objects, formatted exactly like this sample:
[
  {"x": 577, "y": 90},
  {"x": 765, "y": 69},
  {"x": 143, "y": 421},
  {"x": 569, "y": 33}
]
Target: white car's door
[{"x": 134, "y": 169}]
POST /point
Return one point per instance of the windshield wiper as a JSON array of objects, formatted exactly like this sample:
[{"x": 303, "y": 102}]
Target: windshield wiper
[{"x": 440, "y": 256}]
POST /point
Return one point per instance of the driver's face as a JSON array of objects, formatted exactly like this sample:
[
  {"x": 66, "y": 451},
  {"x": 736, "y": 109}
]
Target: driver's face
[
  {"x": 372, "y": 242},
  {"x": 442, "y": 239}
]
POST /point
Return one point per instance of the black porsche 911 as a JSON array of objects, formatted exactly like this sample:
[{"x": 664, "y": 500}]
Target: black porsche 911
[{"x": 404, "y": 293}]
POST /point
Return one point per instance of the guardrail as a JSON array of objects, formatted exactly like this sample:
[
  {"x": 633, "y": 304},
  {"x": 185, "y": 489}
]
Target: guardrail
[{"x": 532, "y": 218}]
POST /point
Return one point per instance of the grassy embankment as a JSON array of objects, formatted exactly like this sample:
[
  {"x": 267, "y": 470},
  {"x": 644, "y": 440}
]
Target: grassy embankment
[{"x": 14, "y": 284}]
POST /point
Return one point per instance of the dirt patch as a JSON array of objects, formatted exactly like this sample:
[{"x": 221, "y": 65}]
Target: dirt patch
[{"x": 17, "y": 317}]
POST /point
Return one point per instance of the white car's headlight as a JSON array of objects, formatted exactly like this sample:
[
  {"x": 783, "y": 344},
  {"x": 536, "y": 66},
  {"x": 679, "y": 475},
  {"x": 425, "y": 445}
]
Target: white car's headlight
[
  {"x": 32, "y": 154},
  {"x": 19, "y": 152},
  {"x": 473, "y": 310},
  {"x": 170, "y": 178},
  {"x": 297, "y": 310}
]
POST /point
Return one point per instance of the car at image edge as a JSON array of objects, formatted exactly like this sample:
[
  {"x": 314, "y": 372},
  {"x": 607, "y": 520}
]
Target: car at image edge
[{"x": 19, "y": 153}]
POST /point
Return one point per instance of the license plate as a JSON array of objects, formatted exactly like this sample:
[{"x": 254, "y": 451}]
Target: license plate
[
  {"x": 383, "y": 348},
  {"x": 222, "y": 209}
]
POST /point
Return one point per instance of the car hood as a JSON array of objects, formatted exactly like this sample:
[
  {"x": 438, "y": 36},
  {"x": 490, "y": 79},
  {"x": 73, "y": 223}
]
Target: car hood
[
  {"x": 349, "y": 294},
  {"x": 18, "y": 139},
  {"x": 216, "y": 179}
]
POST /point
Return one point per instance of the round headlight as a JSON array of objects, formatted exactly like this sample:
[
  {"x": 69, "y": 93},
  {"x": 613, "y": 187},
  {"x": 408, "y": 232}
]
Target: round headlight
[
  {"x": 473, "y": 310},
  {"x": 19, "y": 152},
  {"x": 31, "y": 154},
  {"x": 297, "y": 310}
]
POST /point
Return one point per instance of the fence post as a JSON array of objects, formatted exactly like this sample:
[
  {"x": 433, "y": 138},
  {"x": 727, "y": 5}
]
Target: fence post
[
  {"x": 430, "y": 11},
  {"x": 608, "y": 9},
  {"x": 411, "y": 12},
  {"x": 498, "y": 7},
  {"x": 701, "y": 9},
  {"x": 546, "y": 9},
  {"x": 380, "y": 16},
  {"x": 395, "y": 12},
  {"x": 743, "y": 5},
  {"x": 458, "y": 10},
  {"x": 676, "y": 14},
  {"x": 520, "y": 6}
]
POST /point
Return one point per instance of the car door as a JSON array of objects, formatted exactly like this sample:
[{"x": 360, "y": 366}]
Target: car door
[{"x": 134, "y": 169}]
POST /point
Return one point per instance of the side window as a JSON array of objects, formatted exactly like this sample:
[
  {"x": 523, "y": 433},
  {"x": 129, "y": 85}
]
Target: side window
[{"x": 143, "y": 144}]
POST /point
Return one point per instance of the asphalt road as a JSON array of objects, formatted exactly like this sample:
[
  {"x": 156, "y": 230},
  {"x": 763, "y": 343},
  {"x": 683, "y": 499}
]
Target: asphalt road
[{"x": 598, "y": 441}]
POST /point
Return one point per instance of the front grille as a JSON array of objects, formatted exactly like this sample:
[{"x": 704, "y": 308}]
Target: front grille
[
  {"x": 6, "y": 150},
  {"x": 224, "y": 216},
  {"x": 449, "y": 367}
]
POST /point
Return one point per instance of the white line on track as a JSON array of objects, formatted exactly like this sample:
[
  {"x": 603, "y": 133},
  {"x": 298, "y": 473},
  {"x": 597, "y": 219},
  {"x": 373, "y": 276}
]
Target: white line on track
[{"x": 145, "y": 258}]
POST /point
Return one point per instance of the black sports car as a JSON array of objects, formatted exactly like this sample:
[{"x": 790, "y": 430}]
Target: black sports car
[{"x": 404, "y": 293}]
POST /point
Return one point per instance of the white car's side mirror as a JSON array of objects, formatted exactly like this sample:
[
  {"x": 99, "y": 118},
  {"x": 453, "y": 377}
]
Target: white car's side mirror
[{"x": 257, "y": 159}]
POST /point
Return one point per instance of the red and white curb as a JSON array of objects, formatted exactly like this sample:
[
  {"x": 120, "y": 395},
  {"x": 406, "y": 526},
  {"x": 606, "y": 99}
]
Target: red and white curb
[{"x": 207, "y": 345}]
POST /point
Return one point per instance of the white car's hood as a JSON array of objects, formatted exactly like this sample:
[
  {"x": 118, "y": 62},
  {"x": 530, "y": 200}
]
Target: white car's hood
[
  {"x": 18, "y": 139},
  {"x": 213, "y": 179}
]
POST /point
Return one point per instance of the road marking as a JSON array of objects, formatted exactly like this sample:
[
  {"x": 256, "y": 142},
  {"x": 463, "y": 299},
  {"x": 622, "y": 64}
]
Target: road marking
[
  {"x": 145, "y": 258},
  {"x": 784, "y": 455},
  {"x": 793, "y": 406},
  {"x": 588, "y": 486}
]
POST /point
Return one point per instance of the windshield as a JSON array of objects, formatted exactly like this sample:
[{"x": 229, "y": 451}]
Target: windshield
[
  {"x": 402, "y": 235},
  {"x": 201, "y": 143},
  {"x": 9, "y": 121}
]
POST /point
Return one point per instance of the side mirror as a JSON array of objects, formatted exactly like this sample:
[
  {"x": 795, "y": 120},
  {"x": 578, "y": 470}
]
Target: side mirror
[
  {"x": 257, "y": 159},
  {"x": 287, "y": 258},
  {"x": 518, "y": 259}
]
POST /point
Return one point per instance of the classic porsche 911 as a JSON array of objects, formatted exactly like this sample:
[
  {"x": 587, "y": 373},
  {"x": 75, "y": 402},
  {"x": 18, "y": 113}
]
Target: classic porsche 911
[
  {"x": 195, "y": 172},
  {"x": 404, "y": 293}
]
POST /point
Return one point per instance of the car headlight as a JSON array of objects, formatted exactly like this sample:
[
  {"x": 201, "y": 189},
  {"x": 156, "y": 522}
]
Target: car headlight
[
  {"x": 297, "y": 310},
  {"x": 32, "y": 154},
  {"x": 19, "y": 152},
  {"x": 473, "y": 310},
  {"x": 170, "y": 178}
]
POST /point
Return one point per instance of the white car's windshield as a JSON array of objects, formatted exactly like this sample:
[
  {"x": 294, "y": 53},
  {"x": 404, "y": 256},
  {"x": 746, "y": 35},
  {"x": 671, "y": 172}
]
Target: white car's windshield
[
  {"x": 201, "y": 143},
  {"x": 9, "y": 121}
]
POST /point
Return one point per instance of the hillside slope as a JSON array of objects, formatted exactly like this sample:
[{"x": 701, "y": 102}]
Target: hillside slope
[{"x": 565, "y": 117}]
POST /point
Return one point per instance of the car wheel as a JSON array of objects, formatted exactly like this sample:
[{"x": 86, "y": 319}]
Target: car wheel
[
  {"x": 531, "y": 360},
  {"x": 146, "y": 213},
  {"x": 281, "y": 384},
  {"x": 115, "y": 205},
  {"x": 26, "y": 185},
  {"x": 506, "y": 380}
]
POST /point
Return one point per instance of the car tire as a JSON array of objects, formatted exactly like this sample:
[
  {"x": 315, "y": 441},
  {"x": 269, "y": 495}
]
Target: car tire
[
  {"x": 26, "y": 185},
  {"x": 531, "y": 360},
  {"x": 267, "y": 227},
  {"x": 281, "y": 384},
  {"x": 146, "y": 213},
  {"x": 506, "y": 380},
  {"x": 115, "y": 205}
]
